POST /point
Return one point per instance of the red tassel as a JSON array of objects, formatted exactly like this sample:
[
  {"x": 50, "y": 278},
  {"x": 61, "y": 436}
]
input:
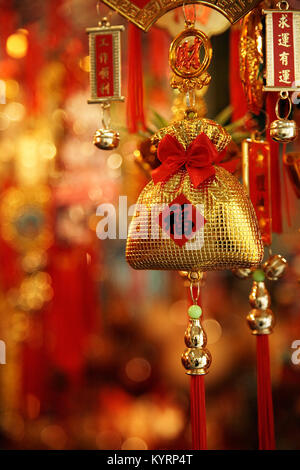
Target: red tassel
[
  {"x": 33, "y": 65},
  {"x": 58, "y": 28},
  {"x": 159, "y": 50},
  {"x": 275, "y": 169},
  {"x": 264, "y": 395},
  {"x": 198, "y": 412},
  {"x": 198, "y": 409},
  {"x": 135, "y": 95},
  {"x": 8, "y": 23},
  {"x": 286, "y": 191}
]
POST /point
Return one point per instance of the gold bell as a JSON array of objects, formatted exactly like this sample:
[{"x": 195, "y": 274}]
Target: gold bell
[
  {"x": 106, "y": 139},
  {"x": 259, "y": 297},
  {"x": 282, "y": 129},
  {"x": 275, "y": 267},
  {"x": 261, "y": 322}
]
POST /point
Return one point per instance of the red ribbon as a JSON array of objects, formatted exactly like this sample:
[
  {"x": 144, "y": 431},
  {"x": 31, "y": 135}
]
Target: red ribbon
[{"x": 198, "y": 159}]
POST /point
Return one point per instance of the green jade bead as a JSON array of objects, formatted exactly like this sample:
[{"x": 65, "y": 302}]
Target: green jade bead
[
  {"x": 195, "y": 311},
  {"x": 258, "y": 275}
]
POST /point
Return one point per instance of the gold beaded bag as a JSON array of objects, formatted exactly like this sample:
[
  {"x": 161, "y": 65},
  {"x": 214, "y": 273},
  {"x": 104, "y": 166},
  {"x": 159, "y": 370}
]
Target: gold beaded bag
[{"x": 194, "y": 215}]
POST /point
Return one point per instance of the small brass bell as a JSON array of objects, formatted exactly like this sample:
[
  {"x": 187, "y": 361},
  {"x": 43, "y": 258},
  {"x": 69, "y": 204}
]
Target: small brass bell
[
  {"x": 275, "y": 267},
  {"x": 282, "y": 129},
  {"x": 106, "y": 139}
]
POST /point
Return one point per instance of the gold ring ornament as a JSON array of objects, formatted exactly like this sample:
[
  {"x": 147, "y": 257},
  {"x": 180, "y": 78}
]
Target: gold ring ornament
[
  {"x": 190, "y": 56},
  {"x": 184, "y": 53}
]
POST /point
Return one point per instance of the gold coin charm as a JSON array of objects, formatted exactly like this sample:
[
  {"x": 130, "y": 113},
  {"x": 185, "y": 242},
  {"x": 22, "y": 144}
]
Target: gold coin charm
[
  {"x": 185, "y": 53},
  {"x": 190, "y": 55}
]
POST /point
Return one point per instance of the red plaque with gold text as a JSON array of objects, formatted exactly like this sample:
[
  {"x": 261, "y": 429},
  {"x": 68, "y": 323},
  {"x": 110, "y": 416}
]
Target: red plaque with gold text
[
  {"x": 282, "y": 50},
  {"x": 105, "y": 73}
]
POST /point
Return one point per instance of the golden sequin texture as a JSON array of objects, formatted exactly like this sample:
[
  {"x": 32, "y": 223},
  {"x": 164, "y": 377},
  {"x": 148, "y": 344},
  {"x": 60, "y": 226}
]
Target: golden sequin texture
[{"x": 230, "y": 237}]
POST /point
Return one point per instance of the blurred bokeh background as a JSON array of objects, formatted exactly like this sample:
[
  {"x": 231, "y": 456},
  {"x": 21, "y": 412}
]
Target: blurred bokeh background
[{"x": 92, "y": 347}]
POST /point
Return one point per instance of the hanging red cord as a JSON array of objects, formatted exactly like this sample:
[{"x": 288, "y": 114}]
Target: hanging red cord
[
  {"x": 286, "y": 191},
  {"x": 198, "y": 409},
  {"x": 264, "y": 395},
  {"x": 135, "y": 95},
  {"x": 274, "y": 168}
]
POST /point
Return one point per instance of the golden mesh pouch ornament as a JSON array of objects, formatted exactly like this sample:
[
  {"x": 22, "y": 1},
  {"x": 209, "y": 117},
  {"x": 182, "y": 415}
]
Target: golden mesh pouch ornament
[{"x": 194, "y": 215}]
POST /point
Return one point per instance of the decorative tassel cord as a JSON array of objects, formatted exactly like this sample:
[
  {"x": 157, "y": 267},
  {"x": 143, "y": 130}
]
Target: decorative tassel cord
[
  {"x": 198, "y": 412},
  {"x": 135, "y": 95},
  {"x": 274, "y": 168},
  {"x": 198, "y": 409},
  {"x": 264, "y": 395},
  {"x": 286, "y": 191}
]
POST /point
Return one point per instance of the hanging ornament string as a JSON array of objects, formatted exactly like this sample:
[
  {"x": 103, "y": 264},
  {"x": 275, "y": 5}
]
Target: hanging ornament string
[
  {"x": 198, "y": 410},
  {"x": 274, "y": 168},
  {"x": 189, "y": 14},
  {"x": 105, "y": 115},
  {"x": 135, "y": 95},
  {"x": 261, "y": 322},
  {"x": 286, "y": 190},
  {"x": 196, "y": 360}
]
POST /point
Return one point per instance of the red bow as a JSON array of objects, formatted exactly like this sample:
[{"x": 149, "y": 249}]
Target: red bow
[{"x": 198, "y": 159}]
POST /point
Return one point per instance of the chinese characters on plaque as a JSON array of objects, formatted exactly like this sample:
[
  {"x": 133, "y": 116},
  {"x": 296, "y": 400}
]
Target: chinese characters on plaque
[
  {"x": 282, "y": 50},
  {"x": 105, "y": 73},
  {"x": 104, "y": 65}
]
